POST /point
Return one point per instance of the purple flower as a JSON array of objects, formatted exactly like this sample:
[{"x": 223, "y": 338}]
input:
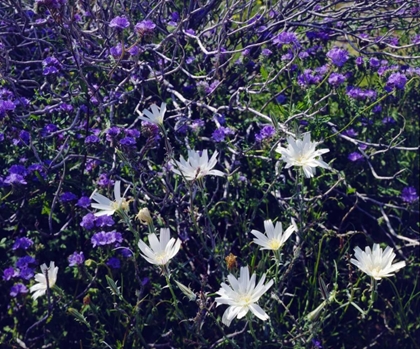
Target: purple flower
[
  {"x": 112, "y": 132},
  {"x": 105, "y": 238},
  {"x": 5, "y": 107},
  {"x": 415, "y": 39},
  {"x": 26, "y": 273},
  {"x": 388, "y": 120},
  {"x": 267, "y": 131},
  {"x": 280, "y": 99},
  {"x": 359, "y": 60},
  {"x": 91, "y": 139},
  {"x": 88, "y": 221},
  {"x": 17, "y": 289},
  {"x": 126, "y": 253},
  {"x": 338, "y": 56},
  {"x": 309, "y": 77},
  {"x": 145, "y": 27},
  {"x": 374, "y": 62},
  {"x": 196, "y": 124},
  {"x": 396, "y": 80},
  {"x": 286, "y": 38},
  {"x": 23, "y": 243},
  {"x": 336, "y": 79},
  {"x": 358, "y": 93},
  {"x": 68, "y": 108},
  {"x": 409, "y": 194},
  {"x": 119, "y": 23},
  {"x": 83, "y": 202},
  {"x": 355, "y": 157},
  {"x": 114, "y": 263},
  {"x": 18, "y": 169},
  {"x": 350, "y": 132},
  {"x": 25, "y": 261},
  {"x": 133, "y": 50},
  {"x": 132, "y": 132},
  {"x": 77, "y": 258},
  {"x": 9, "y": 273},
  {"x": 128, "y": 141},
  {"x": 104, "y": 181},
  {"x": 316, "y": 344},
  {"x": 266, "y": 52},
  {"x": 67, "y": 197},
  {"x": 104, "y": 221},
  {"x": 14, "y": 178},
  {"x": 116, "y": 51},
  {"x": 220, "y": 134}
]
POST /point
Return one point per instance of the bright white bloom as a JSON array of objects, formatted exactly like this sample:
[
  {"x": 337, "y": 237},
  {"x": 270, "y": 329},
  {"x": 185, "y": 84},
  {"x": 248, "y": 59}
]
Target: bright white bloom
[
  {"x": 41, "y": 287},
  {"x": 242, "y": 296},
  {"x": 160, "y": 252},
  {"x": 107, "y": 206},
  {"x": 274, "y": 238},
  {"x": 376, "y": 263},
  {"x": 302, "y": 153},
  {"x": 156, "y": 116},
  {"x": 197, "y": 166}
]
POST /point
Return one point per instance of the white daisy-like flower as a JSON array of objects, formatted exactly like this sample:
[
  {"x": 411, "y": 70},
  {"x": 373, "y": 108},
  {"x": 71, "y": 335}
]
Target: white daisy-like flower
[
  {"x": 156, "y": 116},
  {"x": 40, "y": 288},
  {"x": 107, "y": 206},
  {"x": 302, "y": 153},
  {"x": 376, "y": 263},
  {"x": 197, "y": 165},
  {"x": 274, "y": 238},
  {"x": 160, "y": 252},
  {"x": 242, "y": 296}
]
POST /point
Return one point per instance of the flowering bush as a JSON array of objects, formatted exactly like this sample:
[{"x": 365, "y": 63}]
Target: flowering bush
[{"x": 218, "y": 121}]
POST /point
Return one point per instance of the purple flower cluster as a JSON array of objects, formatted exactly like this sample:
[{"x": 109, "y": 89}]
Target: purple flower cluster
[
  {"x": 106, "y": 238},
  {"x": 338, "y": 56},
  {"x": 145, "y": 27},
  {"x": 267, "y": 131},
  {"x": 286, "y": 38},
  {"x": 89, "y": 221},
  {"x": 75, "y": 259},
  {"x": 22, "y": 243},
  {"x": 220, "y": 134},
  {"x": 360, "y": 94},
  {"x": 396, "y": 80},
  {"x": 409, "y": 195},
  {"x": 336, "y": 79},
  {"x": 312, "y": 77},
  {"x": 51, "y": 66}
]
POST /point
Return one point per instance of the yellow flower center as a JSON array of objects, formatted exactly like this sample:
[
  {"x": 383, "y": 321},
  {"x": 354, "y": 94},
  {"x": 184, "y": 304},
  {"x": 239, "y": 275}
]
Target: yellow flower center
[
  {"x": 245, "y": 300},
  {"x": 120, "y": 205},
  {"x": 274, "y": 244},
  {"x": 161, "y": 257}
]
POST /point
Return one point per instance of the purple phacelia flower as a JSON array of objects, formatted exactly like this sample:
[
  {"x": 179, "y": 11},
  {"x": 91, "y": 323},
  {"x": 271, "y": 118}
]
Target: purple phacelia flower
[
  {"x": 17, "y": 289},
  {"x": 336, "y": 79},
  {"x": 83, "y": 202},
  {"x": 67, "y": 197},
  {"x": 14, "y": 178},
  {"x": 267, "y": 131},
  {"x": 126, "y": 252},
  {"x": 355, "y": 157},
  {"x": 88, "y": 221},
  {"x": 106, "y": 238},
  {"x": 75, "y": 259},
  {"x": 358, "y": 93},
  {"x": 119, "y": 23},
  {"x": 145, "y": 27},
  {"x": 9, "y": 273},
  {"x": 132, "y": 132},
  {"x": 24, "y": 261},
  {"x": 220, "y": 134},
  {"x": 114, "y": 263},
  {"x": 350, "y": 133},
  {"x": 409, "y": 195},
  {"x": 374, "y": 62},
  {"x": 104, "y": 181},
  {"x": 359, "y": 60},
  {"x": 92, "y": 139},
  {"x": 266, "y": 52},
  {"x": 23, "y": 243},
  {"x": 128, "y": 141},
  {"x": 286, "y": 38},
  {"x": 104, "y": 221},
  {"x": 116, "y": 51},
  {"x": 26, "y": 273},
  {"x": 396, "y": 80},
  {"x": 388, "y": 120},
  {"x": 338, "y": 56},
  {"x": 196, "y": 124}
]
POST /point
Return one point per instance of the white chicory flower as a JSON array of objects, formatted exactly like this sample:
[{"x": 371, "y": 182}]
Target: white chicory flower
[
  {"x": 40, "y": 288},
  {"x": 376, "y": 263},
  {"x": 302, "y": 153},
  {"x": 107, "y": 206},
  {"x": 156, "y": 116},
  {"x": 160, "y": 252},
  {"x": 274, "y": 238},
  {"x": 197, "y": 165},
  {"x": 242, "y": 296}
]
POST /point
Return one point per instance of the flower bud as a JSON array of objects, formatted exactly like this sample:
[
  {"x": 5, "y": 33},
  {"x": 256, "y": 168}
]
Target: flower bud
[{"x": 144, "y": 216}]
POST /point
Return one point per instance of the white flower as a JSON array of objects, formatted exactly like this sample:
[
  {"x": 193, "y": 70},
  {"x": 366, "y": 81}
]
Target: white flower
[
  {"x": 160, "y": 252},
  {"x": 41, "y": 287},
  {"x": 197, "y": 166},
  {"x": 376, "y": 263},
  {"x": 157, "y": 114},
  {"x": 107, "y": 206},
  {"x": 302, "y": 153},
  {"x": 242, "y": 296},
  {"x": 274, "y": 238}
]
